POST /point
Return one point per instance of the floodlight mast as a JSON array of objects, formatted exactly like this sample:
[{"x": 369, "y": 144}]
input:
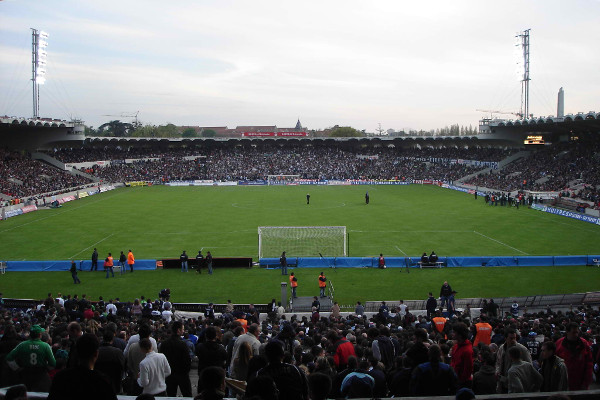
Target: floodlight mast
[
  {"x": 38, "y": 66},
  {"x": 524, "y": 44}
]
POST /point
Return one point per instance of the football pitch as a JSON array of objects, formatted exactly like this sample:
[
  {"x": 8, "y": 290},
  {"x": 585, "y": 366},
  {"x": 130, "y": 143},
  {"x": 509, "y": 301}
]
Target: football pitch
[{"x": 159, "y": 222}]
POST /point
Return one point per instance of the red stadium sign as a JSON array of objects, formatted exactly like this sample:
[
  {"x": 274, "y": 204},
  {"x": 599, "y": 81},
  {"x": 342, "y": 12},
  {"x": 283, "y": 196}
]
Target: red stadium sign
[{"x": 274, "y": 134}]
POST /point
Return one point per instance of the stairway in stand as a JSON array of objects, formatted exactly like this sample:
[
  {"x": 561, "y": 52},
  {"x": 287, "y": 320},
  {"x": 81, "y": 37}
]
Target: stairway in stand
[{"x": 304, "y": 304}]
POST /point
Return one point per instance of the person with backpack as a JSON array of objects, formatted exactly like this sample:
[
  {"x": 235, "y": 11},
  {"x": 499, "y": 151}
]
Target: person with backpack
[{"x": 383, "y": 348}]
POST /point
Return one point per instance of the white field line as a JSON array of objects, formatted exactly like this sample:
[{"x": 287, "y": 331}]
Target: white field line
[
  {"x": 89, "y": 247},
  {"x": 499, "y": 242},
  {"x": 405, "y": 231},
  {"x": 399, "y": 249}
]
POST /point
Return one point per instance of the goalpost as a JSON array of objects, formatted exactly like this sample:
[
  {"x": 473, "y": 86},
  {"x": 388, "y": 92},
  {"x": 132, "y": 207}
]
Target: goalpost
[
  {"x": 302, "y": 241},
  {"x": 281, "y": 179}
]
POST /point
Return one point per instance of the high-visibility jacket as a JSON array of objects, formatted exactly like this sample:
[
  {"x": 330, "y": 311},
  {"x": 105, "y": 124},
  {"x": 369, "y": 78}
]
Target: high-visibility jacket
[
  {"x": 484, "y": 333},
  {"x": 439, "y": 322},
  {"x": 293, "y": 281},
  {"x": 130, "y": 258},
  {"x": 109, "y": 262},
  {"x": 322, "y": 281}
]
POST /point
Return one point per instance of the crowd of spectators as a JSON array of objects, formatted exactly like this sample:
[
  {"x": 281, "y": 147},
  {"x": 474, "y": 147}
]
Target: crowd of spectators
[
  {"x": 20, "y": 176},
  {"x": 392, "y": 354},
  {"x": 89, "y": 153},
  {"x": 551, "y": 168},
  {"x": 307, "y": 163}
]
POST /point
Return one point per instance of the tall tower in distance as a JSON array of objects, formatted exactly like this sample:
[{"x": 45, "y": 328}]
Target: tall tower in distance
[{"x": 560, "y": 109}]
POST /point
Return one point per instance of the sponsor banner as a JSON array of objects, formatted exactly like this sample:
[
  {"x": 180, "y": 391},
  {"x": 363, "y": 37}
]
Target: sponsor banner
[
  {"x": 338, "y": 183},
  {"x": 225, "y": 184},
  {"x": 565, "y": 213},
  {"x": 369, "y": 182},
  {"x": 252, "y": 183},
  {"x": 460, "y": 189},
  {"x": 428, "y": 182},
  {"x": 28, "y": 209},
  {"x": 292, "y": 134},
  {"x": 66, "y": 199},
  {"x": 308, "y": 182},
  {"x": 136, "y": 183},
  {"x": 274, "y": 134},
  {"x": 203, "y": 181},
  {"x": 13, "y": 213}
]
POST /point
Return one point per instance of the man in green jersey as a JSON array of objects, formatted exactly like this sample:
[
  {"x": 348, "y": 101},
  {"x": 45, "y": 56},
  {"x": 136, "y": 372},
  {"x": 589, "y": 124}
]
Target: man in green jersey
[{"x": 33, "y": 357}]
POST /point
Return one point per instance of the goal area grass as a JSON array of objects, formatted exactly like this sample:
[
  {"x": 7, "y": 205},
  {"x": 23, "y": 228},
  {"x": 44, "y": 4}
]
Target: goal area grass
[{"x": 159, "y": 222}]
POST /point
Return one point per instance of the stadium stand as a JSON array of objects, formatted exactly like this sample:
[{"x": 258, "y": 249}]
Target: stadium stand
[{"x": 301, "y": 334}]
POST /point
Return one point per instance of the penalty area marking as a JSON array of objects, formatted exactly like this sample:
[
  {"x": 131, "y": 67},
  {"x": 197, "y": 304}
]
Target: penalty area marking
[
  {"x": 499, "y": 242},
  {"x": 399, "y": 249},
  {"x": 89, "y": 247}
]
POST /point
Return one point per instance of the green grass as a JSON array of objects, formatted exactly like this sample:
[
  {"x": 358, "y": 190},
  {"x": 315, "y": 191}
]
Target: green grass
[
  {"x": 159, "y": 222},
  {"x": 351, "y": 284}
]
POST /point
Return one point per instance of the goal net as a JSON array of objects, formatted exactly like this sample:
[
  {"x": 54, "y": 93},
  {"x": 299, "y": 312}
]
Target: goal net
[
  {"x": 281, "y": 179},
  {"x": 301, "y": 241}
]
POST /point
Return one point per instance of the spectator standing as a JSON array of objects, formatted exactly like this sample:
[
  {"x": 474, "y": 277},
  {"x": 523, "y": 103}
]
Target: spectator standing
[
  {"x": 184, "y": 261},
  {"x": 34, "y": 357},
  {"x": 83, "y": 381},
  {"x": 462, "y": 356},
  {"x": 359, "y": 309},
  {"x": 154, "y": 370},
  {"x": 341, "y": 349},
  {"x": 283, "y": 263},
  {"x": 553, "y": 370},
  {"x": 522, "y": 376},
  {"x": 289, "y": 379},
  {"x": 209, "y": 262},
  {"x": 94, "y": 266},
  {"x": 358, "y": 383},
  {"x": 251, "y": 337},
  {"x": 484, "y": 380},
  {"x": 178, "y": 357},
  {"x": 433, "y": 378},
  {"x": 110, "y": 361},
  {"x": 431, "y": 305},
  {"x": 503, "y": 361},
  {"x": 445, "y": 293},
  {"x": 199, "y": 261},
  {"x": 130, "y": 260},
  {"x": 577, "y": 354},
  {"x": 122, "y": 261},
  {"x": 73, "y": 273}
]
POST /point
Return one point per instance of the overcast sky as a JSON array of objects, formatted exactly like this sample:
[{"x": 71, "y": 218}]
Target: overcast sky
[{"x": 401, "y": 64}]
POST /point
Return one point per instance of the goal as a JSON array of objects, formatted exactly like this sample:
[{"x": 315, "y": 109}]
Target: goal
[
  {"x": 282, "y": 179},
  {"x": 302, "y": 241}
]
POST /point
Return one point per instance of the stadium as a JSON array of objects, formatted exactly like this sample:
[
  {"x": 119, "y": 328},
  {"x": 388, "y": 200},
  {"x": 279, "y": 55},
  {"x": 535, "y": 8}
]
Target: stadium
[{"x": 512, "y": 213}]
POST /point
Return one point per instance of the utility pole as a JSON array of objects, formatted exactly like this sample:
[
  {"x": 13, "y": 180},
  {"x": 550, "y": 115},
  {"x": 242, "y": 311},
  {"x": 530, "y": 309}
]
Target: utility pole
[{"x": 524, "y": 44}]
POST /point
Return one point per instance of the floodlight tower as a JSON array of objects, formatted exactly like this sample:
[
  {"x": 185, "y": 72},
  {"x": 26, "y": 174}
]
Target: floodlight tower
[
  {"x": 523, "y": 38},
  {"x": 38, "y": 66}
]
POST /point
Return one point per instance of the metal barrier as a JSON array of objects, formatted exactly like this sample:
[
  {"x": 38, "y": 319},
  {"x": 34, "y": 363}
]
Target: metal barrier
[{"x": 540, "y": 301}]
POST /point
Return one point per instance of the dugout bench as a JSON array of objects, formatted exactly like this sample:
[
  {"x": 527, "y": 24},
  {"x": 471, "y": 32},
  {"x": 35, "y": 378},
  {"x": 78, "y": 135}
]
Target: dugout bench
[{"x": 437, "y": 264}]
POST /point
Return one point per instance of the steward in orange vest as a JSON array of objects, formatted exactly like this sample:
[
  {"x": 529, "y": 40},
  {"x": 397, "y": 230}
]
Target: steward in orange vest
[
  {"x": 439, "y": 322},
  {"x": 293, "y": 284},
  {"x": 322, "y": 284},
  {"x": 483, "y": 332}
]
